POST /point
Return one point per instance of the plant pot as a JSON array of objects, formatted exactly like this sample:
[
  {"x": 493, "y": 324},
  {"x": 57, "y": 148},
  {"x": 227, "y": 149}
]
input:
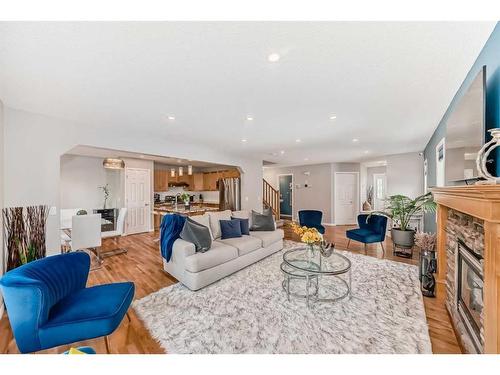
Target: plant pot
[{"x": 403, "y": 238}]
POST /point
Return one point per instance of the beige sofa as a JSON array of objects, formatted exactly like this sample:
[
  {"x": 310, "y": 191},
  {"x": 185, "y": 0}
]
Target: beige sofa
[{"x": 197, "y": 270}]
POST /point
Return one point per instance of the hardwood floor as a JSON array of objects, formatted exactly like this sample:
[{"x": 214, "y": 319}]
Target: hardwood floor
[{"x": 142, "y": 265}]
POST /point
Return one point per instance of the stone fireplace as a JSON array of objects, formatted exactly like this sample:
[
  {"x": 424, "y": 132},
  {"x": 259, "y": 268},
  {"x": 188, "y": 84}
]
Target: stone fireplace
[
  {"x": 464, "y": 277},
  {"x": 468, "y": 252}
]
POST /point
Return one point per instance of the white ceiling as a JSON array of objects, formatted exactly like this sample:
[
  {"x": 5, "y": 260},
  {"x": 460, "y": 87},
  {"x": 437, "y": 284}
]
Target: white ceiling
[{"x": 388, "y": 83}]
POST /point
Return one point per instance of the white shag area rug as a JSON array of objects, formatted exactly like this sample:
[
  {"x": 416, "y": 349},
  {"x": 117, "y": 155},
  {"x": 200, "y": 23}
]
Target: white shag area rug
[{"x": 248, "y": 312}]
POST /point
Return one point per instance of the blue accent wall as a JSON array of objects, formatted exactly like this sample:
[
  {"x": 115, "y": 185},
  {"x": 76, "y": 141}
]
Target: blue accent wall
[{"x": 489, "y": 56}]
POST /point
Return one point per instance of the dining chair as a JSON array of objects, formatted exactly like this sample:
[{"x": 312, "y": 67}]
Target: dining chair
[
  {"x": 116, "y": 235},
  {"x": 86, "y": 234}
]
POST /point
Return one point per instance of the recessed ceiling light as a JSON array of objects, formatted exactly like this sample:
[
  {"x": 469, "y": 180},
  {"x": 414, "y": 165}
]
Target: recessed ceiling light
[
  {"x": 333, "y": 117},
  {"x": 366, "y": 151},
  {"x": 306, "y": 159},
  {"x": 244, "y": 140},
  {"x": 273, "y": 57},
  {"x": 171, "y": 118},
  {"x": 249, "y": 118},
  {"x": 282, "y": 152},
  {"x": 298, "y": 140},
  {"x": 355, "y": 140}
]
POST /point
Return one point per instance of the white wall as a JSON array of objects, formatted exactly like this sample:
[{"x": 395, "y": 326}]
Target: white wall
[
  {"x": 320, "y": 194},
  {"x": 81, "y": 177},
  {"x": 34, "y": 144},
  {"x": 315, "y": 197},
  {"x": 405, "y": 174}
]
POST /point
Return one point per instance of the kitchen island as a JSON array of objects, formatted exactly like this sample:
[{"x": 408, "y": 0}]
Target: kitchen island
[{"x": 162, "y": 209}]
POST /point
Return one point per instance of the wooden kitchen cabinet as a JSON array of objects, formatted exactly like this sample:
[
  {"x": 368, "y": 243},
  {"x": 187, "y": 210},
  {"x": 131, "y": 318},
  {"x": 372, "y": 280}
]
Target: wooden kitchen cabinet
[
  {"x": 210, "y": 181},
  {"x": 198, "y": 182},
  {"x": 160, "y": 180},
  {"x": 186, "y": 179},
  {"x": 210, "y": 178}
]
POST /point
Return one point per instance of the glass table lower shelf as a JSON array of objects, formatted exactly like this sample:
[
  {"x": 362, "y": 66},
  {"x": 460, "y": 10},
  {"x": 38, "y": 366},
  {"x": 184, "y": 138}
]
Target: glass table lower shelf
[{"x": 316, "y": 278}]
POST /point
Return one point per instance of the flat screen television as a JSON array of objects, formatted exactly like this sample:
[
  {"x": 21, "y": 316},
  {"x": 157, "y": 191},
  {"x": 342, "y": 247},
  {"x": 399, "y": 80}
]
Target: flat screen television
[{"x": 465, "y": 133}]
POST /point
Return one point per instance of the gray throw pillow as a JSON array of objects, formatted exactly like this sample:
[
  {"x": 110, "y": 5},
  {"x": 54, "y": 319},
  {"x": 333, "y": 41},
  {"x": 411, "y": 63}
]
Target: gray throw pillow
[
  {"x": 197, "y": 234},
  {"x": 262, "y": 222}
]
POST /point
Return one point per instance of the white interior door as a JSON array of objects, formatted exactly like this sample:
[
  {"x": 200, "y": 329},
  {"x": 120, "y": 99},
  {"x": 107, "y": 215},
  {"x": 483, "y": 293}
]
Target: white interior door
[
  {"x": 379, "y": 190},
  {"x": 138, "y": 199},
  {"x": 346, "y": 198}
]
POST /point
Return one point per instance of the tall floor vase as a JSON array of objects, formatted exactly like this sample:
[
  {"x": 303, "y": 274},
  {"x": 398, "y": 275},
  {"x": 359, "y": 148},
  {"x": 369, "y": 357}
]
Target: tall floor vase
[{"x": 24, "y": 234}]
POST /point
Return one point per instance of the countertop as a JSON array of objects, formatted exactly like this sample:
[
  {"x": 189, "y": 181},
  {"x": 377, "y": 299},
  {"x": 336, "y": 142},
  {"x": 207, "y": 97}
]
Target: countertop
[{"x": 195, "y": 208}]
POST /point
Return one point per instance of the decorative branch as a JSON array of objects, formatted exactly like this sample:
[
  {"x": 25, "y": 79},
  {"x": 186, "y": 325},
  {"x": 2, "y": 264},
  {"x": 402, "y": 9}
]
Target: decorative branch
[{"x": 24, "y": 234}]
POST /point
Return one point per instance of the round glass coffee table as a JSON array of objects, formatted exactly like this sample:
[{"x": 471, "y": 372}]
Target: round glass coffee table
[{"x": 323, "y": 279}]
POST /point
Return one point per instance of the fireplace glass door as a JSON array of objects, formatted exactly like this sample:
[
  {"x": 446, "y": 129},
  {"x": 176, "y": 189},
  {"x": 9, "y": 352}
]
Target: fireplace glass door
[{"x": 470, "y": 292}]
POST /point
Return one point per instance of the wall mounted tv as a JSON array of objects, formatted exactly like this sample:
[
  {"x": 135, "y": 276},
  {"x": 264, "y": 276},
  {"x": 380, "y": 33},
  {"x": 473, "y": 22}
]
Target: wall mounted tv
[{"x": 465, "y": 133}]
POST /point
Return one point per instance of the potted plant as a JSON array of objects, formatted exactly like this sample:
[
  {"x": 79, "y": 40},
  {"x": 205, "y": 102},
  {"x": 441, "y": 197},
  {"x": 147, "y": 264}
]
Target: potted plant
[
  {"x": 185, "y": 197},
  {"x": 400, "y": 209}
]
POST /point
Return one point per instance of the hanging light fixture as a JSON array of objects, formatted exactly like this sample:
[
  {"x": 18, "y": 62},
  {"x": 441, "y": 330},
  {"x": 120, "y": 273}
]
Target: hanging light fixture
[
  {"x": 172, "y": 172},
  {"x": 190, "y": 170},
  {"x": 181, "y": 171},
  {"x": 110, "y": 163}
]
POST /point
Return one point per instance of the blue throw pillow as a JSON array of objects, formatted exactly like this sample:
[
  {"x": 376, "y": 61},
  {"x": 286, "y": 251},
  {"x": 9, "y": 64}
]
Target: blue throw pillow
[
  {"x": 230, "y": 229},
  {"x": 245, "y": 225}
]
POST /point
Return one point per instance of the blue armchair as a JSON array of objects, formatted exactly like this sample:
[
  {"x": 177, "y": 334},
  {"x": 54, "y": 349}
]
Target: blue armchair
[
  {"x": 368, "y": 232},
  {"x": 49, "y": 305},
  {"x": 311, "y": 219}
]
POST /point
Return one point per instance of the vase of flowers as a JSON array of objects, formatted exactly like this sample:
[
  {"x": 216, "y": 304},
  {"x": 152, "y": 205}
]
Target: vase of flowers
[
  {"x": 309, "y": 236},
  {"x": 185, "y": 197},
  {"x": 106, "y": 191}
]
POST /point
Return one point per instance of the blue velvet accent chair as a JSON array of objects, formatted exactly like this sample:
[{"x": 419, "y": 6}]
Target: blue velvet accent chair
[
  {"x": 368, "y": 232},
  {"x": 48, "y": 304},
  {"x": 311, "y": 219}
]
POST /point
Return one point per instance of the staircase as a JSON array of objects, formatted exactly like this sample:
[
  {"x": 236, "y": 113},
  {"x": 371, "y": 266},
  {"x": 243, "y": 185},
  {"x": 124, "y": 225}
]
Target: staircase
[{"x": 271, "y": 199}]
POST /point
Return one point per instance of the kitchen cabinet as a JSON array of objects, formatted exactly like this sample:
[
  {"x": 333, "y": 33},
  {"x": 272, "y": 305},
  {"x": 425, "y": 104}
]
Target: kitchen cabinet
[
  {"x": 186, "y": 179},
  {"x": 210, "y": 178},
  {"x": 210, "y": 181},
  {"x": 160, "y": 180},
  {"x": 198, "y": 182}
]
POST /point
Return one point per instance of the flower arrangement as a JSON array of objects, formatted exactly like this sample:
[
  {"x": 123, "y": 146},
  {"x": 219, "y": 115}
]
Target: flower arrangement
[
  {"x": 185, "y": 198},
  {"x": 426, "y": 241},
  {"x": 106, "y": 190},
  {"x": 307, "y": 235}
]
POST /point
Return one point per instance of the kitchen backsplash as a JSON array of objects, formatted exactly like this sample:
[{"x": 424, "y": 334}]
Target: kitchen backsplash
[{"x": 208, "y": 196}]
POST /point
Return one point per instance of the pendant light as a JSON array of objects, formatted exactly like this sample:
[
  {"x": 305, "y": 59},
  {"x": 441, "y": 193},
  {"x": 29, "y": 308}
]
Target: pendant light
[
  {"x": 110, "y": 163},
  {"x": 190, "y": 170},
  {"x": 181, "y": 171},
  {"x": 172, "y": 172}
]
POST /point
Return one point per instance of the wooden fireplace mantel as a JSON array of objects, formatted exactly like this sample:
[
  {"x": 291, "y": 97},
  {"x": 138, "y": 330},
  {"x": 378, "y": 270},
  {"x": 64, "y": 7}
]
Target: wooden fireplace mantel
[{"x": 481, "y": 201}]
